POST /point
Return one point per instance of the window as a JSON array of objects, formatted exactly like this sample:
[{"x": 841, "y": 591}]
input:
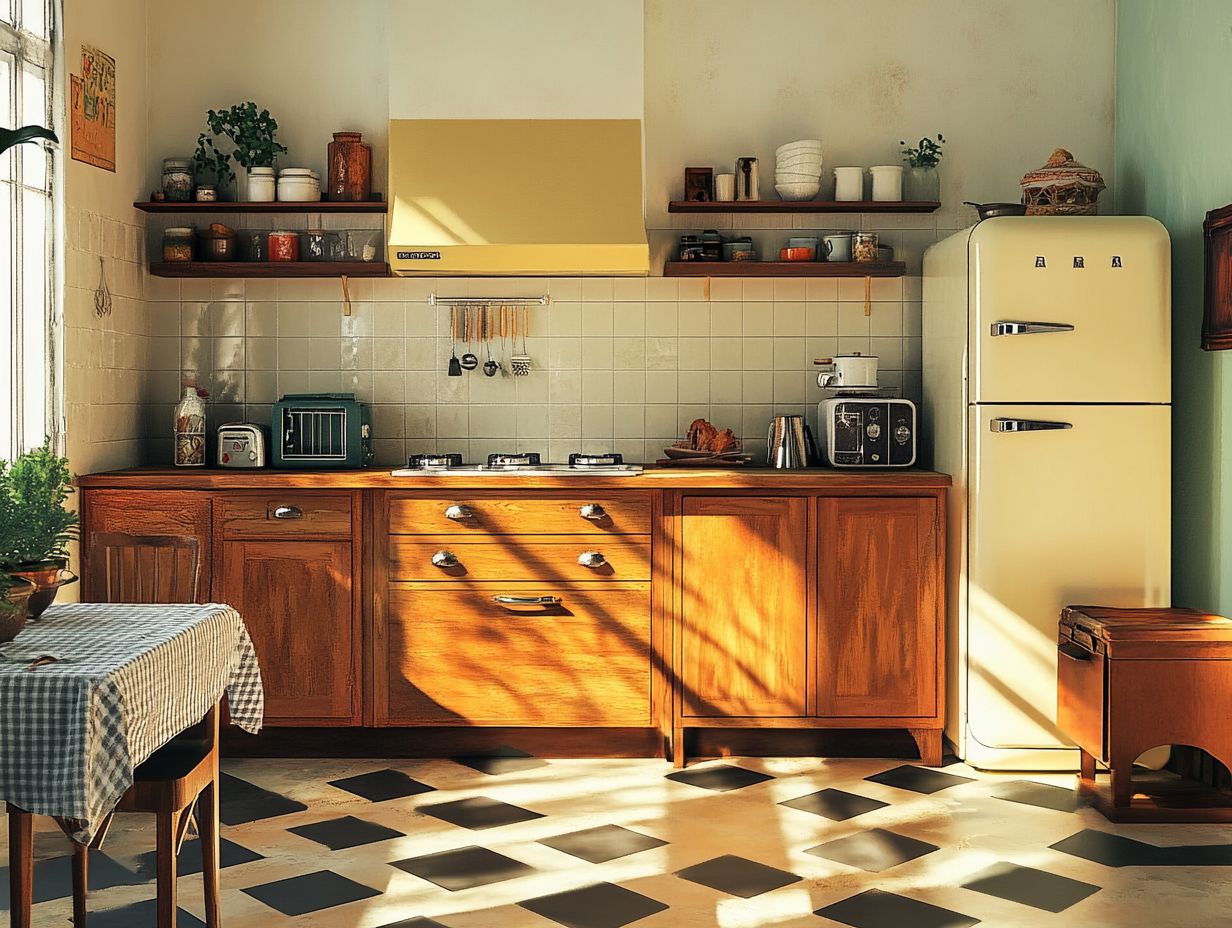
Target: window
[{"x": 28, "y": 31}]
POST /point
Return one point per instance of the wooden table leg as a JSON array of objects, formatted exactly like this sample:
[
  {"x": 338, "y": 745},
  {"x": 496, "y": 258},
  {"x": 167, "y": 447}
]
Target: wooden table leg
[
  {"x": 168, "y": 825},
  {"x": 81, "y": 883},
  {"x": 207, "y": 829},
  {"x": 21, "y": 867},
  {"x": 928, "y": 740}
]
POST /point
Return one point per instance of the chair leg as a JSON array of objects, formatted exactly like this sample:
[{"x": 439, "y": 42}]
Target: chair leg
[
  {"x": 207, "y": 831},
  {"x": 168, "y": 826},
  {"x": 81, "y": 883},
  {"x": 21, "y": 867}
]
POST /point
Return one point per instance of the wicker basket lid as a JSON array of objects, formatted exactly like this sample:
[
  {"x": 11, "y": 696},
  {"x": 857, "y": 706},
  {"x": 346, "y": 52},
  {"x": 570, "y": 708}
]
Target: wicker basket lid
[{"x": 1062, "y": 170}]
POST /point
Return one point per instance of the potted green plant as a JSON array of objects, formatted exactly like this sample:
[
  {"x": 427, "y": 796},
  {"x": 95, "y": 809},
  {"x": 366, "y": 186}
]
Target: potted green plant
[
  {"x": 922, "y": 181},
  {"x": 35, "y": 524},
  {"x": 251, "y": 134}
]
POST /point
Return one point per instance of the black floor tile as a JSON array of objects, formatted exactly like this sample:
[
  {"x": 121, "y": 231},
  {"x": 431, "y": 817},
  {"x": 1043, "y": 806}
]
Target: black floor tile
[
  {"x": 53, "y": 877},
  {"x": 1117, "y": 851},
  {"x": 720, "y": 778},
  {"x": 876, "y": 908},
  {"x": 142, "y": 914},
  {"x": 479, "y": 812},
  {"x": 419, "y": 922},
  {"x": 604, "y": 905},
  {"x": 1040, "y": 794},
  {"x": 1036, "y": 888},
  {"x": 311, "y": 892},
  {"x": 347, "y": 831},
  {"x": 382, "y": 785},
  {"x": 464, "y": 868},
  {"x": 835, "y": 804},
  {"x": 607, "y": 842},
  {"x": 737, "y": 877},
  {"x": 240, "y": 801},
  {"x": 501, "y": 760},
  {"x": 918, "y": 779},
  {"x": 873, "y": 850},
  {"x": 230, "y": 854}
]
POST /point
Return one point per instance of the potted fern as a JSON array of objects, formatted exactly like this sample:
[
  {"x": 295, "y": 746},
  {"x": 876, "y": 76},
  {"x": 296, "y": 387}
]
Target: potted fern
[{"x": 36, "y": 526}]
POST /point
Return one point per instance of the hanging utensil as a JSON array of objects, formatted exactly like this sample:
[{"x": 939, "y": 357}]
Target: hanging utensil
[
  {"x": 491, "y": 367},
  {"x": 504, "y": 332},
  {"x": 521, "y": 363},
  {"x": 470, "y": 360},
  {"x": 455, "y": 368}
]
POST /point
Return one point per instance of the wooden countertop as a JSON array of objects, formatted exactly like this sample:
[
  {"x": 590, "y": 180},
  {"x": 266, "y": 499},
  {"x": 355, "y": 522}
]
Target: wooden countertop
[{"x": 653, "y": 478}]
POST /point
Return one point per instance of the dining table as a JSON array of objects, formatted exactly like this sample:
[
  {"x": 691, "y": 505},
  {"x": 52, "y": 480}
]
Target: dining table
[{"x": 89, "y": 691}]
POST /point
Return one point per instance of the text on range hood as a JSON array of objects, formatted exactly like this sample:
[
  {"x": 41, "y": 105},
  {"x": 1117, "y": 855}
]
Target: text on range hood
[{"x": 516, "y": 197}]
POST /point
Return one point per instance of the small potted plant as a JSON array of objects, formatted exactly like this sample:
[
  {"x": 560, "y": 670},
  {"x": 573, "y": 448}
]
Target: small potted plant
[
  {"x": 252, "y": 136},
  {"x": 35, "y": 525},
  {"x": 922, "y": 181}
]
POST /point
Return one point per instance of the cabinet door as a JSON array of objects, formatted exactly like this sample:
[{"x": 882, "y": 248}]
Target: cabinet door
[
  {"x": 296, "y": 599},
  {"x": 878, "y": 601},
  {"x": 743, "y": 588}
]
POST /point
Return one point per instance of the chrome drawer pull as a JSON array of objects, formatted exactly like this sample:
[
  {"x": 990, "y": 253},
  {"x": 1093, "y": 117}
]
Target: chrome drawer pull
[
  {"x": 288, "y": 512},
  {"x": 445, "y": 560},
  {"x": 527, "y": 600},
  {"x": 591, "y": 559},
  {"x": 594, "y": 512},
  {"x": 459, "y": 513},
  {"x": 1075, "y": 652},
  {"x": 1029, "y": 328},
  {"x": 1026, "y": 425}
]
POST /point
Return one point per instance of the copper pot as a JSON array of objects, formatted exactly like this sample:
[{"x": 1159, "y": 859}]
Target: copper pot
[
  {"x": 14, "y": 608},
  {"x": 47, "y": 577}
]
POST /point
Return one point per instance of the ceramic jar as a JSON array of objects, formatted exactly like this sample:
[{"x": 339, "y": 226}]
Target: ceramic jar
[
  {"x": 299, "y": 185},
  {"x": 887, "y": 182},
  {"x": 922, "y": 183},
  {"x": 848, "y": 184},
  {"x": 261, "y": 185},
  {"x": 350, "y": 168}
]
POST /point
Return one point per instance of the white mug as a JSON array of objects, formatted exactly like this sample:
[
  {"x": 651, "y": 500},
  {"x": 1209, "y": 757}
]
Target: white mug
[
  {"x": 849, "y": 184},
  {"x": 887, "y": 182},
  {"x": 837, "y": 247},
  {"x": 848, "y": 370},
  {"x": 724, "y": 187}
]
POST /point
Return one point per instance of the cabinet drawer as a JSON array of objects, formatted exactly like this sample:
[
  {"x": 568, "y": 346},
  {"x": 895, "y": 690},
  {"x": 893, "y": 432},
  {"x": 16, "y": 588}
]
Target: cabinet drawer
[
  {"x": 520, "y": 558},
  {"x": 456, "y": 657},
  {"x": 286, "y": 514},
  {"x": 626, "y": 514}
]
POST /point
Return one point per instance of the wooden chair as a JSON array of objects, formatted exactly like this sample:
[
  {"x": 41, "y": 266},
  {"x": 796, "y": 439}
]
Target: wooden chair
[
  {"x": 126, "y": 568},
  {"x": 180, "y": 777}
]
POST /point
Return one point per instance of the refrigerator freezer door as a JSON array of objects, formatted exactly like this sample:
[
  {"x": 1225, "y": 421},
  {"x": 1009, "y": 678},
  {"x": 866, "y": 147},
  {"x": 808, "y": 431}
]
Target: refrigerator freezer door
[
  {"x": 1070, "y": 310},
  {"x": 1067, "y": 504}
]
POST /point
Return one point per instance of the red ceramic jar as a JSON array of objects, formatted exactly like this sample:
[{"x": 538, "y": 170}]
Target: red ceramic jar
[{"x": 284, "y": 246}]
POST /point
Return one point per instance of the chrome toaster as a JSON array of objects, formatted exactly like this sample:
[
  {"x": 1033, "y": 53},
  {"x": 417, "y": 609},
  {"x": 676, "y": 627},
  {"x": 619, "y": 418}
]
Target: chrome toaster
[
  {"x": 241, "y": 445},
  {"x": 867, "y": 432}
]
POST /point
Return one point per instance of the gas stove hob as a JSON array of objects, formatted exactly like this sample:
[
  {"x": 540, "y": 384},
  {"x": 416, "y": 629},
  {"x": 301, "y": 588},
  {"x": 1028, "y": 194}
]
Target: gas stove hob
[{"x": 528, "y": 463}]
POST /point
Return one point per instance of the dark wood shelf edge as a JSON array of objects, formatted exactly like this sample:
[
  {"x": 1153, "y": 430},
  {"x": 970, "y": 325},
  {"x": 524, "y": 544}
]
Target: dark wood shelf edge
[
  {"x": 268, "y": 269},
  {"x": 805, "y": 206},
  {"x": 782, "y": 269},
  {"x": 231, "y": 206}
]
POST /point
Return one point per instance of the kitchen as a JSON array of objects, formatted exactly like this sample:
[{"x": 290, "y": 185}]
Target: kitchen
[{"x": 610, "y": 690}]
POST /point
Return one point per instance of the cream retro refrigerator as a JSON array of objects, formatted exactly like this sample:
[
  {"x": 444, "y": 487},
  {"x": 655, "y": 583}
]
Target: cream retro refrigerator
[{"x": 1046, "y": 396}]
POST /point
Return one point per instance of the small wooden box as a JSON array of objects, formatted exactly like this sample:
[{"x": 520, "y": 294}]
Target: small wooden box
[{"x": 1133, "y": 679}]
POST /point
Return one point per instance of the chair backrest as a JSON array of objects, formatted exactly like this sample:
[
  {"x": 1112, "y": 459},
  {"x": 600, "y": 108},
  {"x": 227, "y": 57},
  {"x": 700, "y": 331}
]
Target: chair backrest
[{"x": 143, "y": 568}]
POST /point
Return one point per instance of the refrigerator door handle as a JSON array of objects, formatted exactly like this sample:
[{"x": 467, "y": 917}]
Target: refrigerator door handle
[
  {"x": 1011, "y": 327},
  {"x": 1002, "y": 424}
]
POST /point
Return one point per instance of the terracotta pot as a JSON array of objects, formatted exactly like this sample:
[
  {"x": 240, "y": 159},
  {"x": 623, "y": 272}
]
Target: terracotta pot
[
  {"x": 47, "y": 577},
  {"x": 14, "y": 608}
]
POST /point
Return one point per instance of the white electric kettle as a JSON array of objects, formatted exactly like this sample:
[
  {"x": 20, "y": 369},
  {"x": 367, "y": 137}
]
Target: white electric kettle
[{"x": 848, "y": 370}]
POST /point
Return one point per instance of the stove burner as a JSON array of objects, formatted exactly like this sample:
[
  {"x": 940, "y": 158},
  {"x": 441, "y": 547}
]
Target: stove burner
[
  {"x": 596, "y": 460},
  {"x": 430, "y": 461},
  {"x": 522, "y": 459}
]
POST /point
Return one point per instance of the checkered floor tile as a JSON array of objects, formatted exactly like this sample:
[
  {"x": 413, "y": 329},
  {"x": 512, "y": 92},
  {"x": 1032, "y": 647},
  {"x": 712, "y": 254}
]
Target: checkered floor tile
[{"x": 524, "y": 842}]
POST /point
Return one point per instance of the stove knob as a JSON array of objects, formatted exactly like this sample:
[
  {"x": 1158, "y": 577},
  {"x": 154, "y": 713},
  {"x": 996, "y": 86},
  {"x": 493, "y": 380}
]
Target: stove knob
[
  {"x": 902, "y": 434},
  {"x": 876, "y": 457},
  {"x": 591, "y": 559},
  {"x": 445, "y": 560},
  {"x": 594, "y": 512},
  {"x": 459, "y": 513},
  {"x": 873, "y": 430}
]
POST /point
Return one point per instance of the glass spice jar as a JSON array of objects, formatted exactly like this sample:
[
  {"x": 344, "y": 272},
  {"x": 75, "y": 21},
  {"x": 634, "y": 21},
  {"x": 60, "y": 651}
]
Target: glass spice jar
[
  {"x": 178, "y": 179},
  {"x": 284, "y": 246},
  {"x": 177, "y": 245},
  {"x": 864, "y": 247}
]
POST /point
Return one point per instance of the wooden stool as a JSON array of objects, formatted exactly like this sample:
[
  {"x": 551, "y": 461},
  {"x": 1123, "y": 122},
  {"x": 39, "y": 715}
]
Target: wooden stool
[{"x": 1132, "y": 679}]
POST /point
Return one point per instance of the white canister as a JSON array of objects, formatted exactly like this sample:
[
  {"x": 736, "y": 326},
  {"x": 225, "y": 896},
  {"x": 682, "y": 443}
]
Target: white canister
[
  {"x": 724, "y": 187},
  {"x": 261, "y": 185},
  {"x": 299, "y": 185},
  {"x": 848, "y": 370},
  {"x": 887, "y": 182},
  {"x": 848, "y": 184}
]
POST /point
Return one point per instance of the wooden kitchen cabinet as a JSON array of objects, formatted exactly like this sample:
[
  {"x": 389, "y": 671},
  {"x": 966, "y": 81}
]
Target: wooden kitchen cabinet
[{"x": 743, "y": 606}]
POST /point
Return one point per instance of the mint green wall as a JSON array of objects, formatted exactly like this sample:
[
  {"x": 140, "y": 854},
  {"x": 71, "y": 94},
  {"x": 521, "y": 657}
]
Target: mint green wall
[{"x": 1174, "y": 162}]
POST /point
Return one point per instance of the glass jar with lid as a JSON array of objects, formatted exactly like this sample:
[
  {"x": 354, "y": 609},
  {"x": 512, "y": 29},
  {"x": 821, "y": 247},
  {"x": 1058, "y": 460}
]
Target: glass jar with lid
[
  {"x": 178, "y": 179},
  {"x": 178, "y": 244},
  {"x": 864, "y": 247}
]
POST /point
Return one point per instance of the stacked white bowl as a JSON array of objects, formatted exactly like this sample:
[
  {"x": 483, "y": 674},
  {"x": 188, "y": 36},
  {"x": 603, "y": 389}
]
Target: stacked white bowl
[{"x": 797, "y": 169}]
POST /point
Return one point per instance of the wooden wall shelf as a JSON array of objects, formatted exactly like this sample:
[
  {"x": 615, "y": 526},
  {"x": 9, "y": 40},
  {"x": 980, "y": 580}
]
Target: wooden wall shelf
[
  {"x": 231, "y": 206},
  {"x": 782, "y": 269},
  {"x": 805, "y": 206},
  {"x": 269, "y": 269}
]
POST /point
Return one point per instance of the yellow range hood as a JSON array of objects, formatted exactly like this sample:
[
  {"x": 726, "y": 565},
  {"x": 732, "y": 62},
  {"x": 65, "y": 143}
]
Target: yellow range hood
[{"x": 516, "y": 197}]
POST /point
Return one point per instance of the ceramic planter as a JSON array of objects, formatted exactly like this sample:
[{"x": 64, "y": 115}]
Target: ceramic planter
[
  {"x": 47, "y": 577},
  {"x": 14, "y": 608}
]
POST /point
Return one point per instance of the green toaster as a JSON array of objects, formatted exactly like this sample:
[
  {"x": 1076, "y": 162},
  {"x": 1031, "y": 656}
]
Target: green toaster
[{"x": 321, "y": 430}]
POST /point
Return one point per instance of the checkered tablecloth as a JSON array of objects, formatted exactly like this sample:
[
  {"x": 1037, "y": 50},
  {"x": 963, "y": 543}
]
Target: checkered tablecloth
[{"x": 126, "y": 679}]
